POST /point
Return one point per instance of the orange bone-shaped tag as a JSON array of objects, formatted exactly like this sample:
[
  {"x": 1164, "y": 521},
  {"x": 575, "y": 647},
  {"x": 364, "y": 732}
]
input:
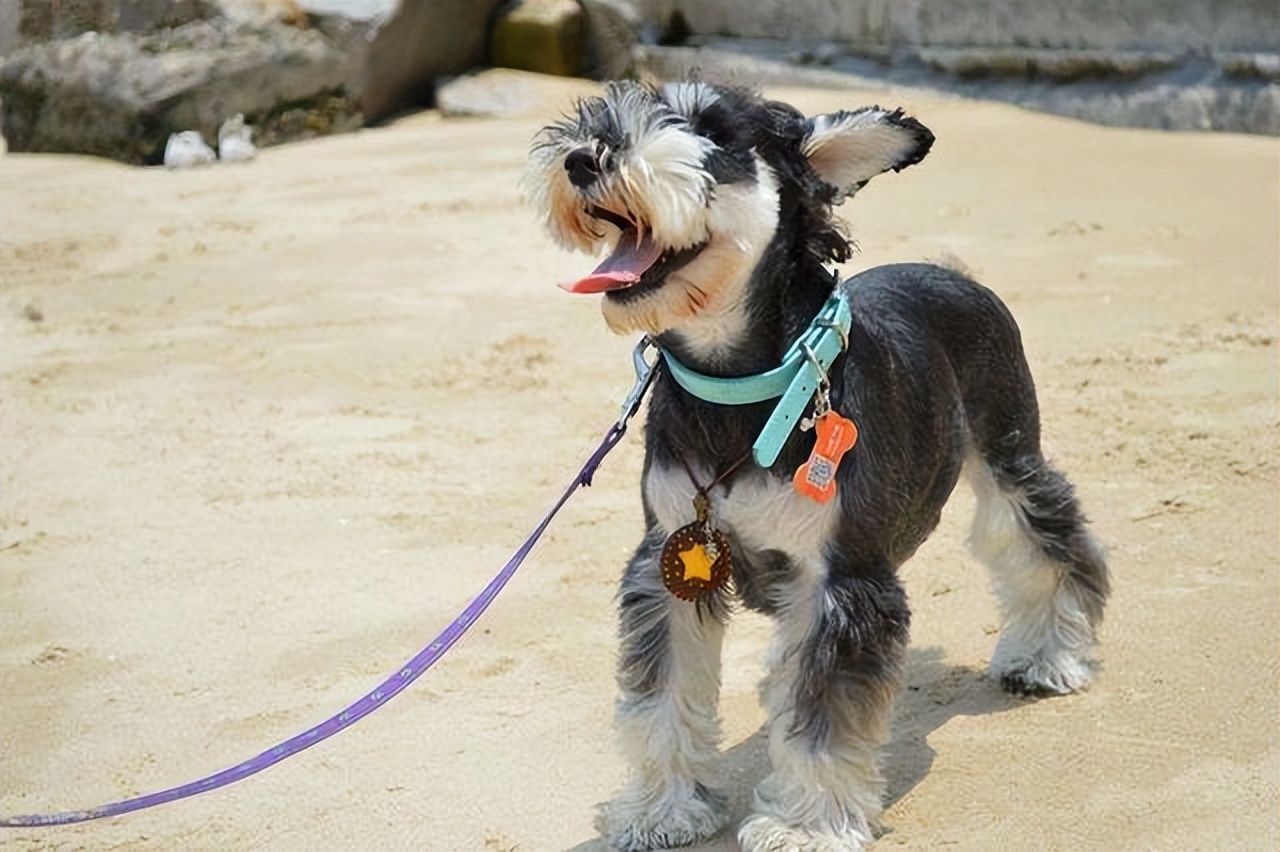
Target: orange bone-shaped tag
[{"x": 816, "y": 478}]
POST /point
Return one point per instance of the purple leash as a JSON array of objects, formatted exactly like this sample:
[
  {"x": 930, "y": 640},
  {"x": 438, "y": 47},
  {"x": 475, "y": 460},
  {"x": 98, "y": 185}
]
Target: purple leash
[{"x": 393, "y": 685}]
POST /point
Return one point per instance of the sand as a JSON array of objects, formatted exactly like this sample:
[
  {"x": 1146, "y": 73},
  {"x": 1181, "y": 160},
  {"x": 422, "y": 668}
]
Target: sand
[{"x": 266, "y": 428}]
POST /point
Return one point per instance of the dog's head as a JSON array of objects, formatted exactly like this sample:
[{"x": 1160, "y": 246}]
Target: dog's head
[{"x": 683, "y": 188}]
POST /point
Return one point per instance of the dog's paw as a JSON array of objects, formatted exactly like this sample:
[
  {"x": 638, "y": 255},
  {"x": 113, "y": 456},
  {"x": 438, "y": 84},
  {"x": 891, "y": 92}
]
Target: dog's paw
[
  {"x": 640, "y": 819},
  {"x": 1058, "y": 674},
  {"x": 765, "y": 833}
]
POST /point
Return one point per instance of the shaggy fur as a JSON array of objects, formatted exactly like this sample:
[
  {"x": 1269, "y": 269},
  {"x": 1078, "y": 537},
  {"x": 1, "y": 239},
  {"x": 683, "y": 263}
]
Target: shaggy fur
[{"x": 714, "y": 210}]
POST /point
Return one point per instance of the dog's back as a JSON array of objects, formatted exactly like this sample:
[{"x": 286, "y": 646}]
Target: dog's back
[{"x": 934, "y": 368}]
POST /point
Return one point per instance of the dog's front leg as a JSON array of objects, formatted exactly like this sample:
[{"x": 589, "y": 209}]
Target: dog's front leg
[
  {"x": 667, "y": 718},
  {"x": 835, "y": 666}
]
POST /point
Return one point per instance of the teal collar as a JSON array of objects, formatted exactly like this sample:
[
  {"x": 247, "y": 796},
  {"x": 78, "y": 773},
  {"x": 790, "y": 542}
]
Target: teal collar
[{"x": 796, "y": 380}]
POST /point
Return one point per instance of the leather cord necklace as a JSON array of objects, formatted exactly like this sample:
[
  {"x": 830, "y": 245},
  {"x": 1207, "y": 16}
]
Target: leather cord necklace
[{"x": 696, "y": 558}]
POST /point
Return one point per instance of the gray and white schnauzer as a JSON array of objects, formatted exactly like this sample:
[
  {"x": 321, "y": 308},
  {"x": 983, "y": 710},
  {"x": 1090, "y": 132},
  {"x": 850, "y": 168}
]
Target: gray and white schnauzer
[{"x": 713, "y": 210}]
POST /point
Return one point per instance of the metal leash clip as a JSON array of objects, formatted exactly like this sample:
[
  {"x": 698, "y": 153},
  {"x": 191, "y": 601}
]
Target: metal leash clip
[
  {"x": 821, "y": 397},
  {"x": 645, "y": 370}
]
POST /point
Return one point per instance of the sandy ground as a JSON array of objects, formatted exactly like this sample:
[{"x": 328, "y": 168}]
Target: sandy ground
[{"x": 267, "y": 428}]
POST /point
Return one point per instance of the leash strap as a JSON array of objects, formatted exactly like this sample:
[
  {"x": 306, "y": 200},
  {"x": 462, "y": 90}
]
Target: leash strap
[
  {"x": 397, "y": 682},
  {"x": 796, "y": 380}
]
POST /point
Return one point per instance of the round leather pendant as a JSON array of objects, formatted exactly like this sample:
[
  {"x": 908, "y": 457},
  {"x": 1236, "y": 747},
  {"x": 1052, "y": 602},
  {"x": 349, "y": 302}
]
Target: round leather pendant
[{"x": 695, "y": 561}]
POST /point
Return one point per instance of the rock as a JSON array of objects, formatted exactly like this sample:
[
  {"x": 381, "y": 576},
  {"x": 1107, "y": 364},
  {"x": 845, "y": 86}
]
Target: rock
[
  {"x": 505, "y": 92},
  {"x": 1250, "y": 66},
  {"x": 1180, "y": 26},
  {"x": 1061, "y": 66},
  {"x": 259, "y": 12},
  {"x": 482, "y": 95},
  {"x": 356, "y": 10},
  {"x": 544, "y": 36},
  {"x": 27, "y": 22},
  {"x": 613, "y": 34},
  {"x": 596, "y": 38},
  {"x": 41, "y": 20},
  {"x": 121, "y": 96},
  {"x": 187, "y": 149},
  {"x": 1166, "y": 106},
  {"x": 324, "y": 116},
  {"x": 148, "y": 16},
  {"x": 1238, "y": 97},
  {"x": 235, "y": 141},
  {"x": 421, "y": 41},
  {"x": 824, "y": 53}
]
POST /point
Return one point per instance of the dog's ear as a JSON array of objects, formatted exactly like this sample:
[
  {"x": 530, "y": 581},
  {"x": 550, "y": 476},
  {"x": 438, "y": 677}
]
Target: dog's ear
[{"x": 847, "y": 149}]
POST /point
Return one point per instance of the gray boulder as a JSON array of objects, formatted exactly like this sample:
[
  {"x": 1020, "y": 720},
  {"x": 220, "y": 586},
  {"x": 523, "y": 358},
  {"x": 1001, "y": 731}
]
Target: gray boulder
[
  {"x": 421, "y": 42},
  {"x": 613, "y": 33},
  {"x": 27, "y": 22},
  {"x": 121, "y": 96},
  {"x": 148, "y": 16}
]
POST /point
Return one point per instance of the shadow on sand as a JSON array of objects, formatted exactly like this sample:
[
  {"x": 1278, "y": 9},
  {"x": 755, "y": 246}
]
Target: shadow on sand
[{"x": 936, "y": 692}]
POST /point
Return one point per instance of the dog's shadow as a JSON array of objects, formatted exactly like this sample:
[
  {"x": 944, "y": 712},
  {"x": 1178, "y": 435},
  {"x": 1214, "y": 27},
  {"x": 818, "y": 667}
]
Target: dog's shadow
[{"x": 936, "y": 693}]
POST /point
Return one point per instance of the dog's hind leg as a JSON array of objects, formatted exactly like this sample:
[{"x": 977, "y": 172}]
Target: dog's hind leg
[
  {"x": 667, "y": 717},
  {"x": 1048, "y": 571},
  {"x": 835, "y": 668}
]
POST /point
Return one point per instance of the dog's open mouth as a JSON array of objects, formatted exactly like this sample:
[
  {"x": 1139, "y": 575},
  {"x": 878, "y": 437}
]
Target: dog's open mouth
[{"x": 636, "y": 264}]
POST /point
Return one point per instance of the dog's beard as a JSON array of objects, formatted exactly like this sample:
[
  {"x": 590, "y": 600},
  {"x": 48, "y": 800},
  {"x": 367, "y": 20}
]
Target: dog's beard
[
  {"x": 704, "y": 298},
  {"x": 674, "y": 244},
  {"x": 657, "y": 181},
  {"x": 673, "y": 253}
]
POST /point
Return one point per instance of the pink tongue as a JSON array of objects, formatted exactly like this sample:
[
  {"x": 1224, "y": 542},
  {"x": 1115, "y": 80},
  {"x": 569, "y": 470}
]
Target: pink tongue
[{"x": 620, "y": 269}]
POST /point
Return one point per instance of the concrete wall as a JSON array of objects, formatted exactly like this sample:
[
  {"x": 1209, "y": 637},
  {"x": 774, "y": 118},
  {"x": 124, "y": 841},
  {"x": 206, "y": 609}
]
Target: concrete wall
[
  {"x": 1171, "y": 64},
  {"x": 10, "y": 17},
  {"x": 1182, "y": 25}
]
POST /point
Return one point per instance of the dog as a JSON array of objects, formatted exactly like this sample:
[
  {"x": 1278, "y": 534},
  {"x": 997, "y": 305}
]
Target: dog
[{"x": 713, "y": 209}]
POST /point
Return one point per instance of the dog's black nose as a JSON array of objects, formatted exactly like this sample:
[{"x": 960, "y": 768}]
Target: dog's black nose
[{"x": 582, "y": 168}]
